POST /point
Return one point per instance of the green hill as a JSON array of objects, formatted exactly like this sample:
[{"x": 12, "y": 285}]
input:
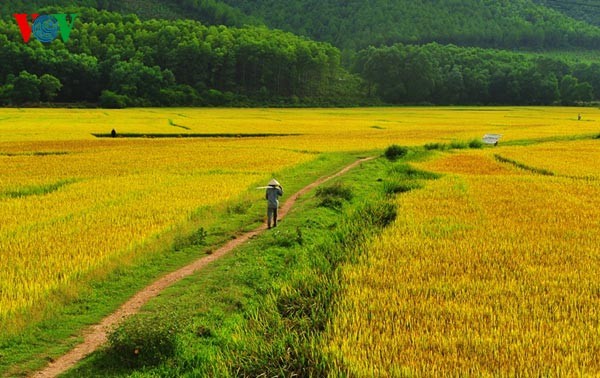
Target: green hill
[
  {"x": 161, "y": 55},
  {"x": 210, "y": 12},
  {"x": 583, "y": 10},
  {"x": 356, "y": 24},
  {"x": 486, "y": 23}
]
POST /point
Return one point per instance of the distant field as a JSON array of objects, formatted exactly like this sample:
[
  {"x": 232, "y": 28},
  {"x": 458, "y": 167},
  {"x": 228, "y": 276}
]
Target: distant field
[
  {"x": 323, "y": 129},
  {"x": 489, "y": 267}
]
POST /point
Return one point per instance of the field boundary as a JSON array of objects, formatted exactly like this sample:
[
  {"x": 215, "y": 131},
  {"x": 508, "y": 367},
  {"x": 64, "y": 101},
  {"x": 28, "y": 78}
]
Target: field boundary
[
  {"x": 191, "y": 135},
  {"x": 96, "y": 335}
]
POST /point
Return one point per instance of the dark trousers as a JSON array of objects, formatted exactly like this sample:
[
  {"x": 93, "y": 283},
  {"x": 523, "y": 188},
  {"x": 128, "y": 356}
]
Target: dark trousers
[{"x": 271, "y": 215}]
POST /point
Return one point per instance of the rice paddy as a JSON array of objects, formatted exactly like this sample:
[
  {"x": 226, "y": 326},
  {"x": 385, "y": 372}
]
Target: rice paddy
[{"x": 489, "y": 270}]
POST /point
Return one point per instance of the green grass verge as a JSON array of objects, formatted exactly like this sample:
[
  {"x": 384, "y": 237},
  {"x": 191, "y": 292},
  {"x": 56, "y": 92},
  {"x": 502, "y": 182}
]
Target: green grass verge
[
  {"x": 560, "y": 138},
  {"x": 37, "y": 190},
  {"x": 53, "y": 329},
  {"x": 260, "y": 310},
  {"x": 539, "y": 171},
  {"x": 193, "y": 135}
]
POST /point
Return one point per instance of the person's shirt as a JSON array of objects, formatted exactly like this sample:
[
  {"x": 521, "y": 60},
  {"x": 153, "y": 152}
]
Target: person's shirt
[{"x": 273, "y": 193}]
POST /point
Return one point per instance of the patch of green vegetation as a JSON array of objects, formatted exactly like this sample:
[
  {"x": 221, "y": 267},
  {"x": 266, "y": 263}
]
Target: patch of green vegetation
[
  {"x": 435, "y": 146},
  {"x": 50, "y": 330},
  {"x": 395, "y": 186},
  {"x": 34, "y": 153},
  {"x": 192, "y": 135},
  {"x": 540, "y": 171},
  {"x": 407, "y": 171},
  {"x": 146, "y": 340},
  {"x": 37, "y": 190},
  {"x": 171, "y": 123},
  {"x": 454, "y": 145},
  {"x": 395, "y": 152},
  {"x": 475, "y": 143},
  {"x": 333, "y": 196},
  {"x": 260, "y": 310},
  {"x": 558, "y": 138}
]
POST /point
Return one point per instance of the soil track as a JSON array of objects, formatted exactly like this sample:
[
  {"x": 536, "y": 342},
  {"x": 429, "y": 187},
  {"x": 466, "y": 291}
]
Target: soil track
[{"x": 96, "y": 335}]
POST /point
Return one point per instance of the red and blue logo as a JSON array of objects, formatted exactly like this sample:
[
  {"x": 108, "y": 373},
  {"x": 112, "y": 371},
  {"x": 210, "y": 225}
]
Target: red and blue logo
[{"x": 46, "y": 27}]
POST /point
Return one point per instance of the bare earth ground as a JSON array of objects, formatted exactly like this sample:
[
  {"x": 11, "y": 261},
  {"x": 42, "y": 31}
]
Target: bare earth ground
[{"x": 96, "y": 335}]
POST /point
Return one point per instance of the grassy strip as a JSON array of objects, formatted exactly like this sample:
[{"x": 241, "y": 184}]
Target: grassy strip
[
  {"x": 260, "y": 310},
  {"x": 539, "y": 171},
  {"x": 171, "y": 123},
  {"x": 476, "y": 143},
  {"x": 455, "y": 145},
  {"x": 29, "y": 342},
  {"x": 560, "y": 138},
  {"x": 193, "y": 135},
  {"x": 37, "y": 190},
  {"x": 35, "y": 153}
]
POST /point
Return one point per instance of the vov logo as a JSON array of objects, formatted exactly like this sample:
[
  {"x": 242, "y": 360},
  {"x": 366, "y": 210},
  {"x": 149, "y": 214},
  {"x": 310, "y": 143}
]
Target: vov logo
[{"x": 46, "y": 27}]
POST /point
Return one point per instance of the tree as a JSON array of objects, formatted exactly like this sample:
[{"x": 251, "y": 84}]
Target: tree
[
  {"x": 25, "y": 88},
  {"x": 112, "y": 100},
  {"x": 571, "y": 91},
  {"x": 49, "y": 87}
]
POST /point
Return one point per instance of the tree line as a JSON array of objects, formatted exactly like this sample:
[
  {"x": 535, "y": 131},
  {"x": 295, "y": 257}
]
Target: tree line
[
  {"x": 438, "y": 74},
  {"x": 120, "y": 61}
]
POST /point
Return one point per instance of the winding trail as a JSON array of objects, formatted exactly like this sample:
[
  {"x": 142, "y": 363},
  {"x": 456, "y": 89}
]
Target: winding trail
[{"x": 97, "y": 334}]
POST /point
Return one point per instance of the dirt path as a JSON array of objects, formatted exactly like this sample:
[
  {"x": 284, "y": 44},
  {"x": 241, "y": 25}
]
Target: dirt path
[{"x": 96, "y": 335}]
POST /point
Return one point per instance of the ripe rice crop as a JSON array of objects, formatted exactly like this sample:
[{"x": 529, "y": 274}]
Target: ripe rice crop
[
  {"x": 323, "y": 129},
  {"x": 574, "y": 158},
  {"x": 488, "y": 271},
  {"x": 71, "y": 203},
  {"x": 64, "y": 215}
]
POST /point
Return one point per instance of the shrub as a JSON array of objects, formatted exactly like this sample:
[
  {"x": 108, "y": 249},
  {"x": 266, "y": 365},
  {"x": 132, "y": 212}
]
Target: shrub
[
  {"x": 112, "y": 100},
  {"x": 435, "y": 146},
  {"x": 395, "y": 152},
  {"x": 458, "y": 145},
  {"x": 336, "y": 190},
  {"x": 331, "y": 202},
  {"x": 240, "y": 207},
  {"x": 475, "y": 143},
  {"x": 197, "y": 238},
  {"x": 144, "y": 340},
  {"x": 334, "y": 195},
  {"x": 380, "y": 214}
]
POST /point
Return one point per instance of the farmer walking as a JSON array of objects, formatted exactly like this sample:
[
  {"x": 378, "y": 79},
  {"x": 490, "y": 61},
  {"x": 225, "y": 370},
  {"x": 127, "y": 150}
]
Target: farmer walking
[{"x": 274, "y": 191}]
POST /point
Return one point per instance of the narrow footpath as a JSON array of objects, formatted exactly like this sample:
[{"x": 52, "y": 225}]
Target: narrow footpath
[{"x": 96, "y": 335}]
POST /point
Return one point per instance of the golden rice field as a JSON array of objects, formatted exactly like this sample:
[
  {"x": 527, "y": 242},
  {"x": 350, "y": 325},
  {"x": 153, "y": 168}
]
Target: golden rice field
[
  {"x": 114, "y": 196},
  {"x": 322, "y": 129},
  {"x": 562, "y": 159},
  {"x": 488, "y": 271}
]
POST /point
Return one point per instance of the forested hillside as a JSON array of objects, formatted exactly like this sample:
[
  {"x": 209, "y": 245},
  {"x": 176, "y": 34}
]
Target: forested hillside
[
  {"x": 120, "y": 61},
  {"x": 212, "y": 12},
  {"x": 164, "y": 57},
  {"x": 355, "y": 24},
  {"x": 487, "y": 23},
  {"x": 439, "y": 74},
  {"x": 584, "y": 10}
]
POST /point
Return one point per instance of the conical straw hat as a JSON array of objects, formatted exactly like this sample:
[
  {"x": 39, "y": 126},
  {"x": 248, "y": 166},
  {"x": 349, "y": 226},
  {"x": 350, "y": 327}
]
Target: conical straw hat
[{"x": 274, "y": 183}]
